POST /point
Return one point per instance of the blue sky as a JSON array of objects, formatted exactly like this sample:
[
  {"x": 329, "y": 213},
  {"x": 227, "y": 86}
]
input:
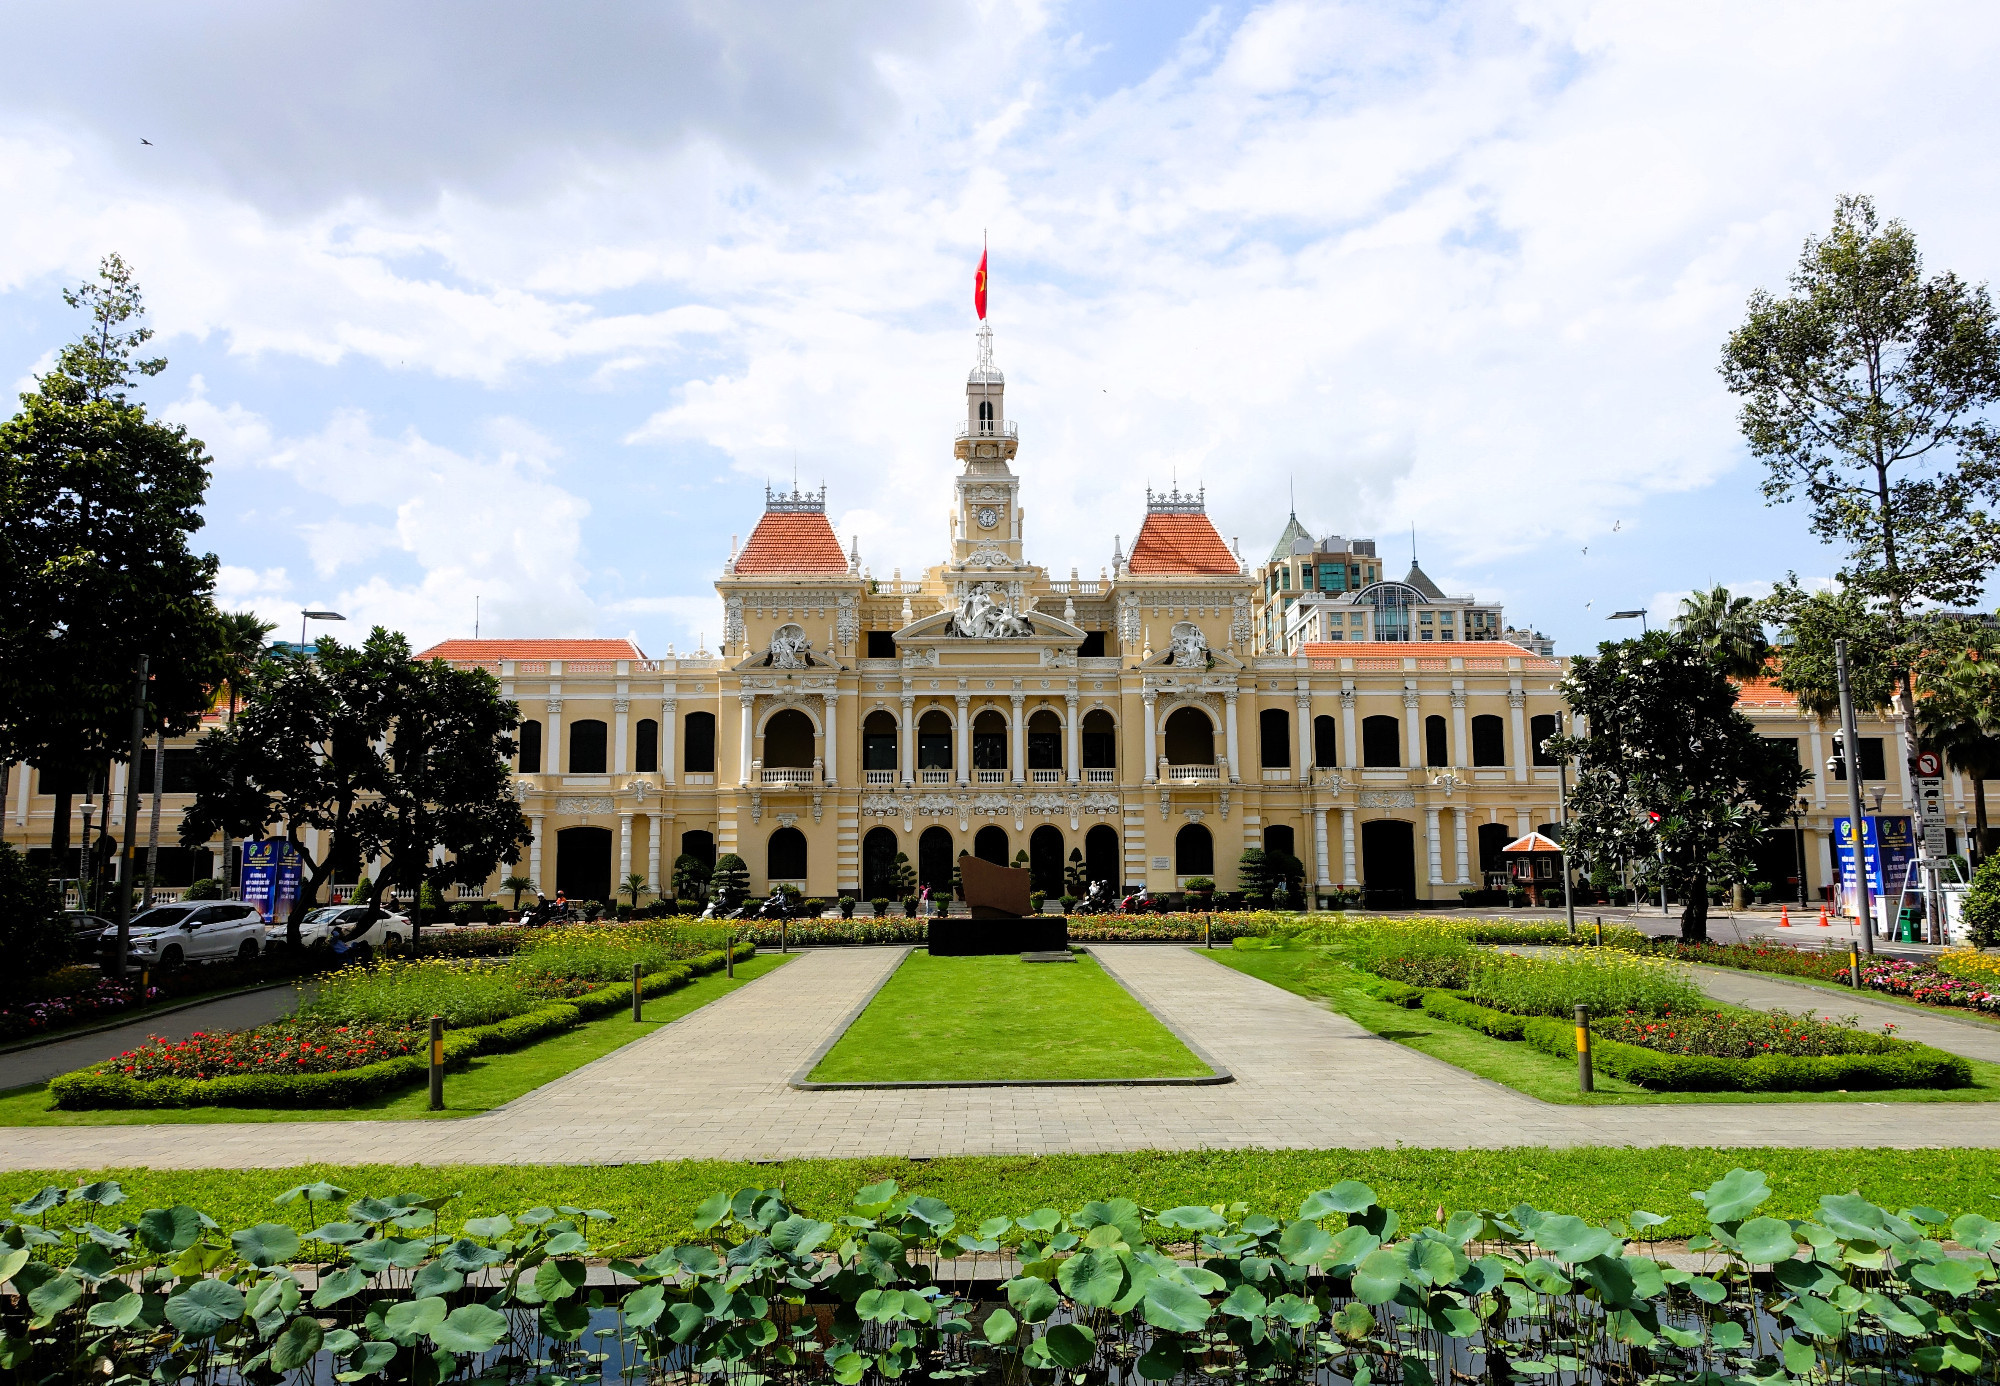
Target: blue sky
[{"x": 503, "y": 301}]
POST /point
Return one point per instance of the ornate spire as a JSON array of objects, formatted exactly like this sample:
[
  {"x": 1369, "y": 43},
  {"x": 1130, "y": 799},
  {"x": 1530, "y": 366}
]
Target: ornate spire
[{"x": 985, "y": 372}]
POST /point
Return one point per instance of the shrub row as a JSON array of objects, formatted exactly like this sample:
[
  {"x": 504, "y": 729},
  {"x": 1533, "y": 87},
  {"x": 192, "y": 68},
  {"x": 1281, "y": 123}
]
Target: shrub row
[
  {"x": 1461, "y": 1010},
  {"x": 96, "y": 1088},
  {"x": 1907, "y": 1065}
]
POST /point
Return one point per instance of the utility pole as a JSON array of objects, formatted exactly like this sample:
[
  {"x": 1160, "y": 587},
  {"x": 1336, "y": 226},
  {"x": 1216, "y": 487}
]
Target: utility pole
[
  {"x": 1851, "y": 753},
  {"x": 131, "y": 823},
  {"x": 1562, "y": 782}
]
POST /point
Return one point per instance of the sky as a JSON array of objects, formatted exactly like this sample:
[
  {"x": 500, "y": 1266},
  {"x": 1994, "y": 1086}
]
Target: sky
[{"x": 515, "y": 309}]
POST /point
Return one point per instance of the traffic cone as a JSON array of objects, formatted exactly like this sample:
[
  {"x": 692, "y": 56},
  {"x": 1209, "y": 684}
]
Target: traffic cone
[
  {"x": 1784, "y": 917},
  {"x": 1822, "y": 918}
]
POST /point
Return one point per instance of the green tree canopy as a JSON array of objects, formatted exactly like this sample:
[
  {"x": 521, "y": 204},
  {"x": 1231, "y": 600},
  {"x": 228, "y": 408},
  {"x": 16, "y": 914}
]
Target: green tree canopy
[
  {"x": 1730, "y": 629},
  {"x": 1958, "y": 710},
  {"x": 1659, "y": 733}
]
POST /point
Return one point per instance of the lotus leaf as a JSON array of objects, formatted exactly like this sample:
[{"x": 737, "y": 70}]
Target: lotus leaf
[
  {"x": 49, "y": 1197},
  {"x": 1304, "y": 1243},
  {"x": 1572, "y": 1239},
  {"x": 470, "y": 1328},
  {"x": 413, "y": 1318},
  {"x": 1000, "y": 1327},
  {"x": 298, "y": 1344},
  {"x": 170, "y": 1229},
  {"x": 338, "y": 1233},
  {"x": 115, "y": 1313},
  {"x": 1174, "y": 1307},
  {"x": 202, "y": 1308},
  {"x": 1193, "y": 1219},
  {"x": 567, "y": 1244},
  {"x": 1379, "y": 1276},
  {"x": 1956, "y": 1278},
  {"x": 1071, "y": 1344},
  {"x": 1766, "y": 1241},
  {"x": 1348, "y": 1196},
  {"x": 266, "y": 1244},
  {"x": 558, "y": 1279},
  {"x": 1163, "y": 1360},
  {"x": 337, "y": 1286},
  {"x": 1093, "y": 1278},
  {"x": 436, "y": 1279},
  {"x": 1735, "y": 1195}
]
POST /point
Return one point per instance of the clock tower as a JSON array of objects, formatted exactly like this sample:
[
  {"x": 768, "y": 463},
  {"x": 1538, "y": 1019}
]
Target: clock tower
[{"x": 986, "y": 520}]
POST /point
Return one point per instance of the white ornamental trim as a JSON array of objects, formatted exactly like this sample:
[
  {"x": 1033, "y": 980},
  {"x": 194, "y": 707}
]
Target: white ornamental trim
[{"x": 585, "y": 804}]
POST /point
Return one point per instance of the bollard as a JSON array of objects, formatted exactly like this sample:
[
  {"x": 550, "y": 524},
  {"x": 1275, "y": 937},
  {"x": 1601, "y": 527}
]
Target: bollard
[
  {"x": 1207, "y": 921},
  {"x": 729, "y": 955},
  {"x": 1583, "y": 1081},
  {"x": 145, "y": 983},
  {"x": 437, "y": 1063},
  {"x": 1600, "y": 931},
  {"x": 1854, "y": 964},
  {"x": 784, "y": 935},
  {"x": 635, "y": 993}
]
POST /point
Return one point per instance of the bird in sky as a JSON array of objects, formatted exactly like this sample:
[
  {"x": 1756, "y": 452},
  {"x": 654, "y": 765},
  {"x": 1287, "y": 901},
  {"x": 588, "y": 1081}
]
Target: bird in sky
[
  {"x": 1586, "y": 550},
  {"x": 144, "y": 140},
  {"x": 1617, "y": 525}
]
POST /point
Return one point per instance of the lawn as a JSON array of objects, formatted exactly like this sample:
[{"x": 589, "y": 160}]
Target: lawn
[
  {"x": 956, "y": 1020},
  {"x": 490, "y": 1081},
  {"x": 654, "y": 1202},
  {"x": 1518, "y": 1066}
]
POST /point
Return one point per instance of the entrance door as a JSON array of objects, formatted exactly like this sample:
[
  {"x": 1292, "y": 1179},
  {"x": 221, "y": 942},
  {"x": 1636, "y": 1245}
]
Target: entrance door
[
  {"x": 1045, "y": 860},
  {"x": 878, "y": 864},
  {"x": 990, "y": 844},
  {"x": 1389, "y": 862},
  {"x": 934, "y": 861},
  {"x": 1100, "y": 855},
  {"x": 583, "y": 863}
]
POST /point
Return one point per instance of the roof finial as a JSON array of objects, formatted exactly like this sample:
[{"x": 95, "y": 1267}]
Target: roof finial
[
  {"x": 1413, "y": 546},
  {"x": 1292, "y": 489}
]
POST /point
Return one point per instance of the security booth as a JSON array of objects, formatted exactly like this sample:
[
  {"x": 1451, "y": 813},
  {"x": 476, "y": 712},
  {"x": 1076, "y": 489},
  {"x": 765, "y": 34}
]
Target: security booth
[{"x": 1534, "y": 864}]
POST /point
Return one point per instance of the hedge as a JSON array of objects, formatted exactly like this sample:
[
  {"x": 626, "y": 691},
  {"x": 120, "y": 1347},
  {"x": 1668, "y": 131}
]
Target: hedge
[
  {"x": 1456, "y": 1008},
  {"x": 96, "y": 1088},
  {"x": 1906, "y": 1065}
]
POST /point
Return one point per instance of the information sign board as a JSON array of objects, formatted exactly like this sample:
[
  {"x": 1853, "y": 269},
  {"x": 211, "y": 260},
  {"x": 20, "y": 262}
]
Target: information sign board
[{"x": 270, "y": 876}]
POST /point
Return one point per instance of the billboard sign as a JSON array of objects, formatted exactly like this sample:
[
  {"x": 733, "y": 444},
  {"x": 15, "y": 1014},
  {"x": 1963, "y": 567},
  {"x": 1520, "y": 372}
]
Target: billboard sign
[
  {"x": 1888, "y": 848},
  {"x": 270, "y": 876}
]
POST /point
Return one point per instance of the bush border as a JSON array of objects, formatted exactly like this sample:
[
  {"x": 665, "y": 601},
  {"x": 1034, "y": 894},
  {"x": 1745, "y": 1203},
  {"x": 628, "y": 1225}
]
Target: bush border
[{"x": 97, "y": 1089}]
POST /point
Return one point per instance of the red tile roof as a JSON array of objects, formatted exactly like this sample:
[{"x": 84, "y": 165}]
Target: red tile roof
[
  {"x": 1428, "y": 649},
  {"x": 488, "y": 651},
  {"x": 791, "y": 542},
  {"x": 1180, "y": 543},
  {"x": 1533, "y": 842},
  {"x": 1762, "y": 692}
]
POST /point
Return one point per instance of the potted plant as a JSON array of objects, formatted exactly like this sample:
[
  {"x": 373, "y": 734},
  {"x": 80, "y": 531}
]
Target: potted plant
[
  {"x": 909, "y": 907},
  {"x": 847, "y": 907},
  {"x": 880, "y": 904},
  {"x": 941, "y": 907},
  {"x": 1035, "y": 898},
  {"x": 1760, "y": 891},
  {"x": 1200, "y": 892},
  {"x": 1517, "y": 898}
]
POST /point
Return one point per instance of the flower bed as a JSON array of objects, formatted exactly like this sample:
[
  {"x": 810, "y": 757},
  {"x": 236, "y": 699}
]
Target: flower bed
[
  {"x": 1607, "y": 981},
  {"x": 1182, "y": 927},
  {"x": 1814, "y": 964},
  {"x": 1723, "y": 1035},
  {"x": 102, "y": 997},
  {"x": 1928, "y": 984},
  {"x": 284, "y": 1048}
]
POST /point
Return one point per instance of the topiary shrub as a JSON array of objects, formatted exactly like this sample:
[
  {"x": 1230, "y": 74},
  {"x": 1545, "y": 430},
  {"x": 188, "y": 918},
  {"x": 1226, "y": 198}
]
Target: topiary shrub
[
  {"x": 1035, "y": 898},
  {"x": 729, "y": 883},
  {"x": 1982, "y": 905},
  {"x": 207, "y": 888},
  {"x": 1069, "y": 904}
]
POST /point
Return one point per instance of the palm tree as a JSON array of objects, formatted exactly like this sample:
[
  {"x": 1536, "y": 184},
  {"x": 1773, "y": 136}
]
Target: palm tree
[
  {"x": 1728, "y": 628},
  {"x": 1958, "y": 713},
  {"x": 243, "y": 635},
  {"x": 517, "y": 884},
  {"x": 635, "y": 886}
]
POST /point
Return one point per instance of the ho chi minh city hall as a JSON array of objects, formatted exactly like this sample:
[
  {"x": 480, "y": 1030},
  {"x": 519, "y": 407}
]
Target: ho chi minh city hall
[{"x": 990, "y": 707}]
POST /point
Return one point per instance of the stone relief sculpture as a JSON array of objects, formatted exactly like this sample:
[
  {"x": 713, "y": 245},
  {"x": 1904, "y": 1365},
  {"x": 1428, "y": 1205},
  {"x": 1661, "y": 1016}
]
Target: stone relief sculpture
[
  {"x": 1190, "y": 646},
  {"x": 980, "y": 617},
  {"x": 789, "y": 648}
]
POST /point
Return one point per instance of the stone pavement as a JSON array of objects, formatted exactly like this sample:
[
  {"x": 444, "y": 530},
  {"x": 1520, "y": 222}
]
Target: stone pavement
[
  {"x": 713, "y": 1085},
  {"x": 38, "y": 1065}
]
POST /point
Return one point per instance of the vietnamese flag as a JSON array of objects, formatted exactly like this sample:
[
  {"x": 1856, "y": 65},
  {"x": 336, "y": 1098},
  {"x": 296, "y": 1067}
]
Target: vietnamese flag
[{"x": 979, "y": 286}]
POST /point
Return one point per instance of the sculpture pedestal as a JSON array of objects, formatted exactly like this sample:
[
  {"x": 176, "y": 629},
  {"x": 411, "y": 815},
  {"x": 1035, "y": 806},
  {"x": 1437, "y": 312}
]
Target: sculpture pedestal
[{"x": 964, "y": 938}]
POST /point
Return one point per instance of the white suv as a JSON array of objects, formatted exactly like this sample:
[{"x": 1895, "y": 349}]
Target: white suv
[
  {"x": 192, "y": 931},
  {"x": 348, "y": 925}
]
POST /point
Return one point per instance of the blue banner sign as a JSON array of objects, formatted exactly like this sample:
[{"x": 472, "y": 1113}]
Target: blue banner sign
[
  {"x": 1888, "y": 848},
  {"x": 270, "y": 876}
]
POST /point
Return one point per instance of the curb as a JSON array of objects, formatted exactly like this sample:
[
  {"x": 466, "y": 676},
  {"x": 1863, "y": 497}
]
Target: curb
[{"x": 801, "y": 1081}]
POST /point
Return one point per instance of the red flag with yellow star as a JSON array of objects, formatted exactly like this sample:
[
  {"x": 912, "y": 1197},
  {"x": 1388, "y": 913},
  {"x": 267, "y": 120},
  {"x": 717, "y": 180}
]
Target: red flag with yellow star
[{"x": 979, "y": 286}]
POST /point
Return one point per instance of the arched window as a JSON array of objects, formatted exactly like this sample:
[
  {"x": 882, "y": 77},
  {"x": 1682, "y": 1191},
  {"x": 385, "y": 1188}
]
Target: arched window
[
  {"x": 990, "y": 844},
  {"x": 1381, "y": 742},
  {"x": 1326, "y": 743},
  {"x": 587, "y": 742},
  {"x": 934, "y": 859},
  {"x": 1190, "y": 738},
  {"x": 699, "y": 757},
  {"x": 785, "y": 856},
  {"x": 530, "y": 735},
  {"x": 1045, "y": 860},
  {"x": 878, "y": 864},
  {"x": 1194, "y": 851},
  {"x": 985, "y": 415},
  {"x": 1100, "y": 741},
  {"x": 1489, "y": 740},
  {"x": 1493, "y": 837},
  {"x": 878, "y": 742},
  {"x": 700, "y": 845},
  {"x": 1045, "y": 741},
  {"x": 1437, "y": 751},
  {"x": 989, "y": 741},
  {"x": 646, "y": 756},
  {"x": 1274, "y": 738},
  {"x": 1540, "y": 729},
  {"x": 788, "y": 740},
  {"x": 1100, "y": 854},
  {"x": 1278, "y": 839},
  {"x": 934, "y": 741}
]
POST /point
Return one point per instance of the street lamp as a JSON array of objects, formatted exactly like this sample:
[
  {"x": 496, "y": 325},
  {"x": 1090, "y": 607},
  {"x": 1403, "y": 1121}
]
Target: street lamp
[
  {"x": 305, "y": 616},
  {"x": 1640, "y": 612},
  {"x": 1799, "y": 844}
]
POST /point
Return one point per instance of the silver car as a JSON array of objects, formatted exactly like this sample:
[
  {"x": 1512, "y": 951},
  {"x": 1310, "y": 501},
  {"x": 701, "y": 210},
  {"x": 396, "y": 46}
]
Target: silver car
[
  {"x": 348, "y": 926},
  {"x": 192, "y": 931}
]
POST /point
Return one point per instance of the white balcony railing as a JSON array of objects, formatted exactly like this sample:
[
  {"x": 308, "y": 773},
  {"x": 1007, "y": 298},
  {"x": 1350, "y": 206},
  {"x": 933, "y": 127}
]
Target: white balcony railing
[
  {"x": 988, "y": 428},
  {"x": 1194, "y": 772},
  {"x": 881, "y": 776},
  {"x": 1045, "y": 776},
  {"x": 1107, "y": 775},
  {"x": 934, "y": 777},
  {"x": 991, "y": 776},
  {"x": 785, "y": 774}
]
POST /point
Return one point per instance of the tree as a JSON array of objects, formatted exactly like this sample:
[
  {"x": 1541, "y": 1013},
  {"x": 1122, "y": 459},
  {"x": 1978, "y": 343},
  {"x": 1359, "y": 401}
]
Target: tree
[
  {"x": 1958, "y": 713},
  {"x": 635, "y": 886},
  {"x": 97, "y": 502},
  {"x": 690, "y": 878},
  {"x": 519, "y": 885},
  {"x": 729, "y": 882},
  {"x": 382, "y": 756},
  {"x": 33, "y": 937},
  {"x": 903, "y": 876},
  {"x": 1730, "y": 629},
  {"x": 1865, "y": 392},
  {"x": 1809, "y": 623},
  {"x": 1076, "y": 876},
  {"x": 1659, "y": 733},
  {"x": 243, "y": 649},
  {"x": 1982, "y": 904},
  {"x": 1253, "y": 875}
]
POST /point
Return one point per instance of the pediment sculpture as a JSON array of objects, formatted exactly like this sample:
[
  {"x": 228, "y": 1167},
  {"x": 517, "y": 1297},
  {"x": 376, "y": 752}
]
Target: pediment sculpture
[
  {"x": 980, "y": 617},
  {"x": 1190, "y": 646}
]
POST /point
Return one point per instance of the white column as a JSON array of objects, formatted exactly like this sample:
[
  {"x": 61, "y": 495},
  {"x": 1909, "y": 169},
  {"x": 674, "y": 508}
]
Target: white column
[
  {"x": 832, "y": 744},
  {"x": 1524, "y": 822},
  {"x": 1152, "y": 741},
  {"x": 1229, "y": 736},
  {"x": 624, "y": 852},
  {"x": 552, "y": 747},
  {"x": 21, "y": 774},
  {"x": 1464, "y": 848},
  {"x": 1516, "y": 704},
  {"x": 748, "y": 700},
  {"x": 668, "y": 767},
  {"x": 1436, "y": 844},
  {"x": 1017, "y": 743},
  {"x": 1072, "y": 742},
  {"x": 535, "y": 850},
  {"x": 906, "y": 740},
  {"x": 1413, "y": 729},
  {"x": 115, "y": 799},
  {"x": 1458, "y": 741},
  {"x": 1347, "y": 848},
  {"x": 1818, "y": 767},
  {"x": 621, "y": 709},
  {"x": 1325, "y": 866},
  {"x": 1304, "y": 757},
  {"x": 961, "y": 741},
  {"x": 653, "y": 880},
  {"x": 1350, "y": 748}
]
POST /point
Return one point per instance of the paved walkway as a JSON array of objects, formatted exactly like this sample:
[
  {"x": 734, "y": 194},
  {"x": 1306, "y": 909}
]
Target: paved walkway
[
  {"x": 713, "y": 1085},
  {"x": 38, "y": 1065}
]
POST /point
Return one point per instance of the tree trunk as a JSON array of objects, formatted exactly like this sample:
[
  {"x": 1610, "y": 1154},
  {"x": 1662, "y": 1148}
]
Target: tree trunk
[
  {"x": 6, "y": 776},
  {"x": 1694, "y": 913},
  {"x": 1978, "y": 853}
]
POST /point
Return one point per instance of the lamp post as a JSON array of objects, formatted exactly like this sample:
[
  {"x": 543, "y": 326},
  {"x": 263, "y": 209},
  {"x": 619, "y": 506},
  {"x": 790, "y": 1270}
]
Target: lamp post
[
  {"x": 1639, "y": 612},
  {"x": 308, "y": 615},
  {"x": 1799, "y": 847}
]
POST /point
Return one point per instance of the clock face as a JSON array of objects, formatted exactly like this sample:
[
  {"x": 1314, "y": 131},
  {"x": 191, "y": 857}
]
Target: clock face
[{"x": 988, "y": 517}]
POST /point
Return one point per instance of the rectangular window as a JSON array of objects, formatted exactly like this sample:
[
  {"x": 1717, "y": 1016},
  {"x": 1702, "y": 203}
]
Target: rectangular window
[
  {"x": 179, "y": 771},
  {"x": 1285, "y": 578},
  {"x": 1424, "y": 617},
  {"x": 1424, "y": 635},
  {"x": 1871, "y": 761},
  {"x": 1336, "y": 635},
  {"x": 881, "y": 644},
  {"x": 1306, "y": 575},
  {"x": 1333, "y": 577},
  {"x": 1092, "y": 646}
]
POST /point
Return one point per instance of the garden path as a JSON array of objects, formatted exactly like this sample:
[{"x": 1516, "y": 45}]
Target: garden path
[
  {"x": 713, "y": 1085},
  {"x": 38, "y": 1065},
  {"x": 1970, "y": 1039}
]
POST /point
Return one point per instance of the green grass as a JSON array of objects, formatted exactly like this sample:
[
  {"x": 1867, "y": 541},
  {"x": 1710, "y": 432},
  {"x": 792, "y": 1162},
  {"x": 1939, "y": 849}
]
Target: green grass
[
  {"x": 1516, "y": 1065},
  {"x": 953, "y": 1020},
  {"x": 488, "y": 1082},
  {"x": 654, "y": 1202}
]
